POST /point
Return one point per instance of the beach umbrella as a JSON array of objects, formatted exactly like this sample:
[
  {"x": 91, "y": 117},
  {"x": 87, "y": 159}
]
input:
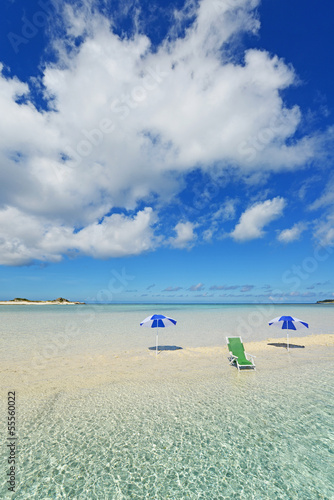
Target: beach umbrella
[
  {"x": 288, "y": 323},
  {"x": 157, "y": 321}
]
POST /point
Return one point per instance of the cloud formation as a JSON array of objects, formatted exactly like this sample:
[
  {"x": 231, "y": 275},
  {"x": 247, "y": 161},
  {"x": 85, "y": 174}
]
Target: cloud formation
[
  {"x": 185, "y": 235},
  {"x": 255, "y": 218},
  {"x": 26, "y": 238},
  {"x": 196, "y": 288},
  {"x": 125, "y": 121},
  {"x": 324, "y": 232},
  {"x": 224, "y": 287},
  {"x": 246, "y": 288},
  {"x": 292, "y": 234},
  {"x": 172, "y": 289}
]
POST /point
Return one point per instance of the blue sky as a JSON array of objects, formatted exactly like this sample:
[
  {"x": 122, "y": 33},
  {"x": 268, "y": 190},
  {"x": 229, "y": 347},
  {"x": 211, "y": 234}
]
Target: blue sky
[{"x": 167, "y": 151}]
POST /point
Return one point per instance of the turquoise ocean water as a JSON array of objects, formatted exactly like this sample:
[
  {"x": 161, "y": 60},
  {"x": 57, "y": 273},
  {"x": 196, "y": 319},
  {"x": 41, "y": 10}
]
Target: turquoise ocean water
[
  {"x": 162, "y": 428},
  {"x": 45, "y": 331}
]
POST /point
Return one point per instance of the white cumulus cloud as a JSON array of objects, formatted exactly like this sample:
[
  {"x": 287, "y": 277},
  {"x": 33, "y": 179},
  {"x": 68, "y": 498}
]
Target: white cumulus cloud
[
  {"x": 26, "y": 238},
  {"x": 324, "y": 232},
  {"x": 125, "y": 121},
  {"x": 255, "y": 218},
  {"x": 292, "y": 234},
  {"x": 185, "y": 235}
]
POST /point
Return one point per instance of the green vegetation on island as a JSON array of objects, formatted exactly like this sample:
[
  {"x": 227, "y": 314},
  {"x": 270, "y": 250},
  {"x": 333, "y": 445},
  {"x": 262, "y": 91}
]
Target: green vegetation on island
[{"x": 20, "y": 300}]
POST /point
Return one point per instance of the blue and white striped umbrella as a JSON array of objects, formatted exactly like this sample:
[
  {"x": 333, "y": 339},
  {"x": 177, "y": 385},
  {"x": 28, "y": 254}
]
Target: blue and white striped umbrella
[
  {"x": 157, "y": 321},
  {"x": 288, "y": 323}
]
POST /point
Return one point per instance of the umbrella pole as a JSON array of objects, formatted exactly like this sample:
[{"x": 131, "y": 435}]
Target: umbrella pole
[
  {"x": 156, "y": 342},
  {"x": 287, "y": 341}
]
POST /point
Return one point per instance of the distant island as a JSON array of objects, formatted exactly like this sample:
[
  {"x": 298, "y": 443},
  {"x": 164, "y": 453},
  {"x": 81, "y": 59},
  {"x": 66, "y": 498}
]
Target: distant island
[
  {"x": 20, "y": 301},
  {"x": 327, "y": 301}
]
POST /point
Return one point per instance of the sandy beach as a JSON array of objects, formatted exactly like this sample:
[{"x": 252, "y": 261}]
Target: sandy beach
[
  {"x": 38, "y": 303},
  {"x": 52, "y": 374}
]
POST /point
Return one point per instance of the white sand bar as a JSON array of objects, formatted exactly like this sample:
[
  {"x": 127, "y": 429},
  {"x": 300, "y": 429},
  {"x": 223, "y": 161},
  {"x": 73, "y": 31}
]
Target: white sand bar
[{"x": 54, "y": 373}]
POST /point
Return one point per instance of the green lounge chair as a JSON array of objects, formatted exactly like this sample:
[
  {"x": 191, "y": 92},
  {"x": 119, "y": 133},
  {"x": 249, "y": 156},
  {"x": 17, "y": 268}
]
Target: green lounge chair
[{"x": 238, "y": 355}]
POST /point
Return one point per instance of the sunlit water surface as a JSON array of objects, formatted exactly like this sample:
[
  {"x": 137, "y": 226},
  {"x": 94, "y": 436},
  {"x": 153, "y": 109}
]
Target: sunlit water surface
[{"x": 197, "y": 433}]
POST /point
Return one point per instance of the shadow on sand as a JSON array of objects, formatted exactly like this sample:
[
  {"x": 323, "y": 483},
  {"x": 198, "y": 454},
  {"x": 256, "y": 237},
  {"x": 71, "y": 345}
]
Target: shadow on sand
[
  {"x": 283, "y": 344},
  {"x": 166, "y": 348}
]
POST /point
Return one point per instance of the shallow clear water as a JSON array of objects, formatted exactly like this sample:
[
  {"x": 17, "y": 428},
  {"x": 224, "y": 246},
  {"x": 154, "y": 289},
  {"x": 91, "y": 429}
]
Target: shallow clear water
[
  {"x": 242, "y": 436},
  {"x": 47, "y": 331},
  {"x": 167, "y": 430}
]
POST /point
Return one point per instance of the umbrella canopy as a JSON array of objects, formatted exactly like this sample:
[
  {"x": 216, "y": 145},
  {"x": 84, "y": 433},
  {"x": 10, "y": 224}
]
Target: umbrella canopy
[
  {"x": 157, "y": 321},
  {"x": 288, "y": 323}
]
